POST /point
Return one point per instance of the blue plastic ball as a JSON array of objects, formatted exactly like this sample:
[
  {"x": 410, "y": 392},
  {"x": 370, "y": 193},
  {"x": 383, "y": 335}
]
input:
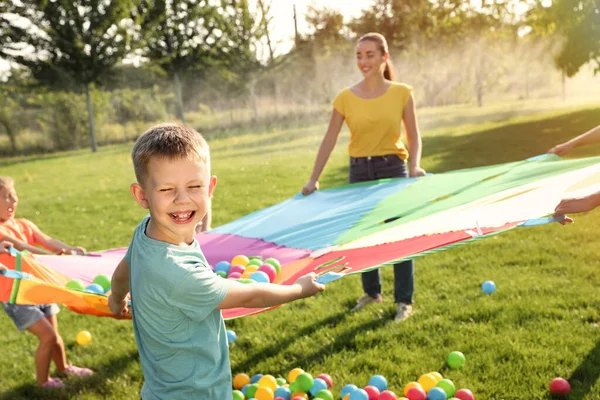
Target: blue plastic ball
[
  {"x": 379, "y": 382},
  {"x": 436, "y": 393},
  {"x": 349, "y": 388},
  {"x": 283, "y": 392},
  {"x": 244, "y": 388},
  {"x": 318, "y": 385},
  {"x": 359, "y": 394},
  {"x": 231, "y": 336},
  {"x": 95, "y": 288},
  {"x": 488, "y": 287},
  {"x": 222, "y": 266},
  {"x": 260, "y": 276},
  {"x": 256, "y": 378}
]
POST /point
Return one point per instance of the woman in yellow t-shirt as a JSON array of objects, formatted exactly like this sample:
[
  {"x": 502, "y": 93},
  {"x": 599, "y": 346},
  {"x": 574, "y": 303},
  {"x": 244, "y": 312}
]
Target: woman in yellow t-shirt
[{"x": 374, "y": 110}]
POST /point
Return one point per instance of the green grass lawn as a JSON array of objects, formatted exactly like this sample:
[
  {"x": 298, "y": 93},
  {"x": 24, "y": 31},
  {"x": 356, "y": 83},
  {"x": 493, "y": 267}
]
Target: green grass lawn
[{"x": 543, "y": 322}]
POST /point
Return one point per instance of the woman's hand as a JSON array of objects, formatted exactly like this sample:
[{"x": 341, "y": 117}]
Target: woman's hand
[{"x": 310, "y": 187}]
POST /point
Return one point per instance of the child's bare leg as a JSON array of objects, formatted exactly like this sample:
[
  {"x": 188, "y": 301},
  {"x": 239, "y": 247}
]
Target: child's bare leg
[
  {"x": 58, "y": 354},
  {"x": 47, "y": 335}
]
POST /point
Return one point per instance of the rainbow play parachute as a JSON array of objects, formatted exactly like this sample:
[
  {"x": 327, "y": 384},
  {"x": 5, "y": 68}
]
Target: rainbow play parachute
[{"x": 343, "y": 230}]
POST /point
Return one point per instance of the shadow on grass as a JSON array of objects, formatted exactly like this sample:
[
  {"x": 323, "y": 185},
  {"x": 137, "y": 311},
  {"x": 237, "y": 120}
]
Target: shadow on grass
[
  {"x": 586, "y": 375},
  {"x": 95, "y": 383}
]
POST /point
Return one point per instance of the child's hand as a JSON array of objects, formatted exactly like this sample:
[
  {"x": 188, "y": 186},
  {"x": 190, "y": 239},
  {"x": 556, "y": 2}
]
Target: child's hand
[
  {"x": 417, "y": 171},
  {"x": 561, "y": 149},
  {"x": 118, "y": 308},
  {"x": 5, "y": 246},
  {"x": 574, "y": 205},
  {"x": 310, "y": 187},
  {"x": 80, "y": 251},
  {"x": 309, "y": 285}
]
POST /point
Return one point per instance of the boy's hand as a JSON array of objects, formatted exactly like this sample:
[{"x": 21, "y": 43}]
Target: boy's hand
[
  {"x": 309, "y": 285},
  {"x": 575, "y": 205},
  {"x": 79, "y": 251},
  {"x": 416, "y": 171},
  {"x": 118, "y": 308},
  {"x": 310, "y": 187}
]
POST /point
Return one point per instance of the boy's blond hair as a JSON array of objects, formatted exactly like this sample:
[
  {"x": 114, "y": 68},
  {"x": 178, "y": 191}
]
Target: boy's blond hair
[
  {"x": 169, "y": 141},
  {"x": 7, "y": 182}
]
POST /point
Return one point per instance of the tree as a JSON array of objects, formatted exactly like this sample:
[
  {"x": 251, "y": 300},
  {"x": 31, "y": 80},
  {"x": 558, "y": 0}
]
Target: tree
[
  {"x": 578, "y": 22},
  {"x": 71, "y": 44},
  {"x": 181, "y": 35}
]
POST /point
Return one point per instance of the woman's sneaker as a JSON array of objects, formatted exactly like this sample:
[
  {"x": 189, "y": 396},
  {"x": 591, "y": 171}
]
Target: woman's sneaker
[
  {"x": 53, "y": 383},
  {"x": 366, "y": 300}
]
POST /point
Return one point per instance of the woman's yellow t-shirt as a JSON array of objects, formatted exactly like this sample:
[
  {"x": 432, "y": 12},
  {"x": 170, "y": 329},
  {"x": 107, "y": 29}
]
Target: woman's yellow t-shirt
[{"x": 375, "y": 124}]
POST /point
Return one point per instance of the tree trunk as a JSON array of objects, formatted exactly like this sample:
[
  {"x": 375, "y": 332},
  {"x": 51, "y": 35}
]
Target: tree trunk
[
  {"x": 11, "y": 134},
  {"x": 90, "y": 108},
  {"x": 179, "y": 98},
  {"x": 253, "y": 99},
  {"x": 564, "y": 85}
]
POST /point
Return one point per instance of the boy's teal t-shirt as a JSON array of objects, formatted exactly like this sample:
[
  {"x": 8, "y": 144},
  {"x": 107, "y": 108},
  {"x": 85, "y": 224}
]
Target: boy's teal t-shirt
[{"x": 179, "y": 331}]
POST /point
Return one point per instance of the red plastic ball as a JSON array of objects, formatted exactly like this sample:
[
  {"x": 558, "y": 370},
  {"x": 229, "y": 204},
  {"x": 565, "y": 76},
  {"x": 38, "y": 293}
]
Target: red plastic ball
[
  {"x": 417, "y": 394},
  {"x": 464, "y": 394},
  {"x": 560, "y": 386},
  {"x": 372, "y": 392},
  {"x": 327, "y": 380},
  {"x": 388, "y": 395}
]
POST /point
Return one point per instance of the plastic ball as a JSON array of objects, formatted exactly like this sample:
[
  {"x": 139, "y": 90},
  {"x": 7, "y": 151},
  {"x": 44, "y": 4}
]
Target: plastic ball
[
  {"x": 359, "y": 394},
  {"x": 255, "y": 378},
  {"x": 95, "y": 288},
  {"x": 83, "y": 338},
  {"x": 436, "y": 393},
  {"x": 318, "y": 385},
  {"x": 240, "y": 380},
  {"x": 103, "y": 280},
  {"x": 559, "y": 386},
  {"x": 456, "y": 359},
  {"x": 283, "y": 392},
  {"x": 269, "y": 270},
  {"x": 251, "y": 390},
  {"x": 222, "y": 266},
  {"x": 231, "y": 336},
  {"x": 264, "y": 393},
  {"x": 388, "y": 395},
  {"x": 75, "y": 284},
  {"x": 275, "y": 263},
  {"x": 222, "y": 274},
  {"x": 234, "y": 275},
  {"x": 281, "y": 381},
  {"x": 379, "y": 382},
  {"x": 268, "y": 381},
  {"x": 447, "y": 386},
  {"x": 299, "y": 396},
  {"x": 324, "y": 394},
  {"x": 372, "y": 392},
  {"x": 293, "y": 374},
  {"x": 246, "y": 281},
  {"x": 416, "y": 393},
  {"x": 327, "y": 380},
  {"x": 488, "y": 287},
  {"x": 237, "y": 395},
  {"x": 409, "y": 386},
  {"x": 464, "y": 394},
  {"x": 236, "y": 268},
  {"x": 349, "y": 388},
  {"x": 437, "y": 375},
  {"x": 427, "y": 382},
  {"x": 260, "y": 277},
  {"x": 250, "y": 269},
  {"x": 255, "y": 261},
  {"x": 304, "y": 381},
  {"x": 241, "y": 260}
]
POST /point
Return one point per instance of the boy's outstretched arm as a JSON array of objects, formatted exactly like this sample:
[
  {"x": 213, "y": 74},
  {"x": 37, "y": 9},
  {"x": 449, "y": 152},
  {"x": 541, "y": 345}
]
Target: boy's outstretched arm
[
  {"x": 119, "y": 288},
  {"x": 577, "y": 205},
  {"x": 260, "y": 295},
  {"x": 19, "y": 245}
]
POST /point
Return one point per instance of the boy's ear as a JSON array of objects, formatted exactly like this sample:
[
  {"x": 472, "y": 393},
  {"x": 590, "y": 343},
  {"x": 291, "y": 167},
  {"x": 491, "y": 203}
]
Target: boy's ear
[
  {"x": 212, "y": 185},
  {"x": 140, "y": 196}
]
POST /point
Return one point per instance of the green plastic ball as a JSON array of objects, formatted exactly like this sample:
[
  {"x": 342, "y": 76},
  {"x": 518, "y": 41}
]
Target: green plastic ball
[
  {"x": 75, "y": 284},
  {"x": 456, "y": 359},
  {"x": 103, "y": 280}
]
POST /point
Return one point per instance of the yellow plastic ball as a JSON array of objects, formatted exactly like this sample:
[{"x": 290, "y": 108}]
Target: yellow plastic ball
[
  {"x": 300, "y": 394},
  {"x": 240, "y": 380},
  {"x": 411, "y": 385},
  {"x": 264, "y": 393},
  {"x": 437, "y": 375},
  {"x": 346, "y": 397},
  {"x": 251, "y": 268},
  {"x": 427, "y": 382},
  {"x": 294, "y": 374},
  {"x": 268, "y": 381},
  {"x": 83, "y": 338},
  {"x": 240, "y": 260}
]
